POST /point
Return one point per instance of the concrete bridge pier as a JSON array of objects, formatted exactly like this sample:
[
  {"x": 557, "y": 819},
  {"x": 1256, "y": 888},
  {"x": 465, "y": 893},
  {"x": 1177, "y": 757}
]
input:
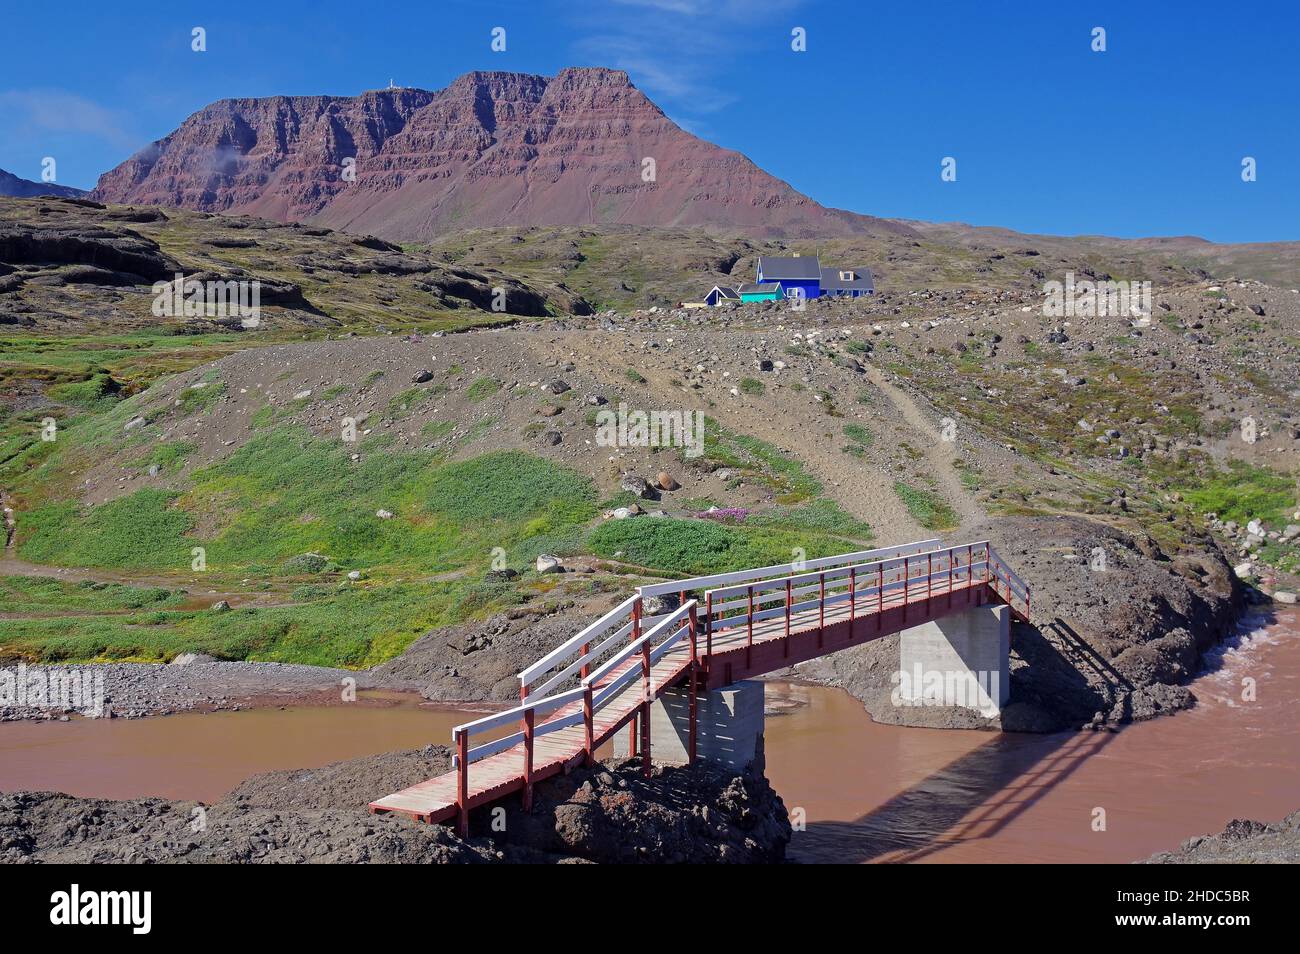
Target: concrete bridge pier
[
  {"x": 962, "y": 660},
  {"x": 729, "y": 726}
]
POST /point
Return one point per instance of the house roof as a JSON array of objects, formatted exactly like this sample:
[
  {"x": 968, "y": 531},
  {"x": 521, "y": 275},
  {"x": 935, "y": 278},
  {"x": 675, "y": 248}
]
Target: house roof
[
  {"x": 724, "y": 291},
  {"x": 831, "y": 281},
  {"x": 797, "y": 267},
  {"x": 763, "y": 289}
]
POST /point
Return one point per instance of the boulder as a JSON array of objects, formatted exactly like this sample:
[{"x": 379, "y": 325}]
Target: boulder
[
  {"x": 639, "y": 486},
  {"x": 186, "y": 659}
]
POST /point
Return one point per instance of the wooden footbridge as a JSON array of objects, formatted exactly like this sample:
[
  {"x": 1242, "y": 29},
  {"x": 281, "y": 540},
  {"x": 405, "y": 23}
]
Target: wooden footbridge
[{"x": 726, "y": 627}]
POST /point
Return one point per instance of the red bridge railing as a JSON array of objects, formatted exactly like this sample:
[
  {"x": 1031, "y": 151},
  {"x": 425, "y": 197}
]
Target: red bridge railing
[{"x": 583, "y": 675}]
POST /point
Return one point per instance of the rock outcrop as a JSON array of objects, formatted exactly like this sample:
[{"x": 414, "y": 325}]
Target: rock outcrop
[
  {"x": 1119, "y": 627},
  {"x": 1240, "y": 842}
]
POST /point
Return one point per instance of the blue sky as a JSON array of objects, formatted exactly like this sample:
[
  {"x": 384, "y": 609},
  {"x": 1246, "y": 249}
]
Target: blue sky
[{"x": 1146, "y": 138}]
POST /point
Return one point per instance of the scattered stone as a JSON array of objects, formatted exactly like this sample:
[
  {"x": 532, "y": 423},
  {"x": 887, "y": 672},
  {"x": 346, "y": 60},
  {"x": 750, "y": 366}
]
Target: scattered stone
[
  {"x": 549, "y": 564},
  {"x": 639, "y": 486},
  {"x": 186, "y": 659}
]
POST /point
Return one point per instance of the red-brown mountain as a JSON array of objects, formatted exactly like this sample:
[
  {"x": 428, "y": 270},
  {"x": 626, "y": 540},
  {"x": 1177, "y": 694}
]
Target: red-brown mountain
[{"x": 490, "y": 149}]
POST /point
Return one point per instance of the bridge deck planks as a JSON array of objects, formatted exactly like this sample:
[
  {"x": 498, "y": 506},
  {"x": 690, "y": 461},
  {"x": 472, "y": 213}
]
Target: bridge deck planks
[{"x": 497, "y": 775}]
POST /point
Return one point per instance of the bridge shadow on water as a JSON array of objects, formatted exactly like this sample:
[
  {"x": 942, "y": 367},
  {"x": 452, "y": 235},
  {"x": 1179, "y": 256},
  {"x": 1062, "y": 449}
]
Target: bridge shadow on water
[{"x": 968, "y": 800}]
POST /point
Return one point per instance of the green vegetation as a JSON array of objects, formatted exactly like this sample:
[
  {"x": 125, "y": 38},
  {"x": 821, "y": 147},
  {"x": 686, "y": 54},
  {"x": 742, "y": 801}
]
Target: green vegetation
[
  {"x": 969, "y": 476},
  {"x": 926, "y": 507},
  {"x": 350, "y": 626},
  {"x": 200, "y": 397},
  {"x": 264, "y": 416},
  {"x": 752, "y": 386},
  {"x": 787, "y": 476},
  {"x": 286, "y": 492},
  {"x": 94, "y": 391},
  {"x": 43, "y": 594},
  {"x": 257, "y": 513},
  {"x": 167, "y": 456},
  {"x": 822, "y": 516},
  {"x": 859, "y": 440},
  {"x": 436, "y": 430},
  {"x": 703, "y": 546},
  {"x": 482, "y": 389},
  {"x": 634, "y": 376},
  {"x": 139, "y": 530},
  {"x": 405, "y": 401},
  {"x": 858, "y": 434},
  {"x": 1243, "y": 493}
]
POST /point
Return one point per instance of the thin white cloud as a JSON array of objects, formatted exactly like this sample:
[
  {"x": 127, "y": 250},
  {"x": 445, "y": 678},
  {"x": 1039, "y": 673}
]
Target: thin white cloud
[
  {"x": 728, "y": 9},
  {"x": 674, "y": 49},
  {"x": 56, "y": 110}
]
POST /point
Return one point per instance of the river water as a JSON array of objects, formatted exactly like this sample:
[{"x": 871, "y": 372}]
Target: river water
[
  {"x": 868, "y": 792},
  {"x": 880, "y": 793}
]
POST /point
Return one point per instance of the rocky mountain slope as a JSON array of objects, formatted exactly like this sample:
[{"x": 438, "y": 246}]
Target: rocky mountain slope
[
  {"x": 492, "y": 148},
  {"x": 77, "y": 265},
  {"x": 825, "y": 432},
  {"x": 13, "y": 186}
]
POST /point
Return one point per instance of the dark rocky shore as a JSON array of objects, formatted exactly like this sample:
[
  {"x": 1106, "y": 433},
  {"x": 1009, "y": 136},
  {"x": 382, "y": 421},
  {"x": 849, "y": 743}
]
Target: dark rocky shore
[
  {"x": 606, "y": 814},
  {"x": 1106, "y": 647},
  {"x": 1241, "y": 842}
]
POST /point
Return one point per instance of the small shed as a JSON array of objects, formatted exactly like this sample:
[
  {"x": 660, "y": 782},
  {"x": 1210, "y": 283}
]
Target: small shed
[
  {"x": 720, "y": 294},
  {"x": 761, "y": 291}
]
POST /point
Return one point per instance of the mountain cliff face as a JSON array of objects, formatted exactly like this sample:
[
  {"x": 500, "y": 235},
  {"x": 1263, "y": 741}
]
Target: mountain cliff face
[
  {"x": 491, "y": 149},
  {"x": 12, "y": 185}
]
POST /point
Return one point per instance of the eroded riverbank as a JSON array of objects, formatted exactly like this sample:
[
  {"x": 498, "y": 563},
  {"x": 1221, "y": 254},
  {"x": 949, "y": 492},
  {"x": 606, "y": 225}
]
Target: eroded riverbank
[{"x": 869, "y": 792}]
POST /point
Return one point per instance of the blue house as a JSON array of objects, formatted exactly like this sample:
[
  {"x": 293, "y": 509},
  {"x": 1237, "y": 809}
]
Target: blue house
[
  {"x": 798, "y": 274},
  {"x": 793, "y": 273},
  {"x": 848, "y": 282}
]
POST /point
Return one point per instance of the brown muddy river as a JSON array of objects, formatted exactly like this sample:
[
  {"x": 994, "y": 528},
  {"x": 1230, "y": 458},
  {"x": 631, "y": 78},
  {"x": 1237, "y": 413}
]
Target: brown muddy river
[{"x": 869, "y": 792}]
